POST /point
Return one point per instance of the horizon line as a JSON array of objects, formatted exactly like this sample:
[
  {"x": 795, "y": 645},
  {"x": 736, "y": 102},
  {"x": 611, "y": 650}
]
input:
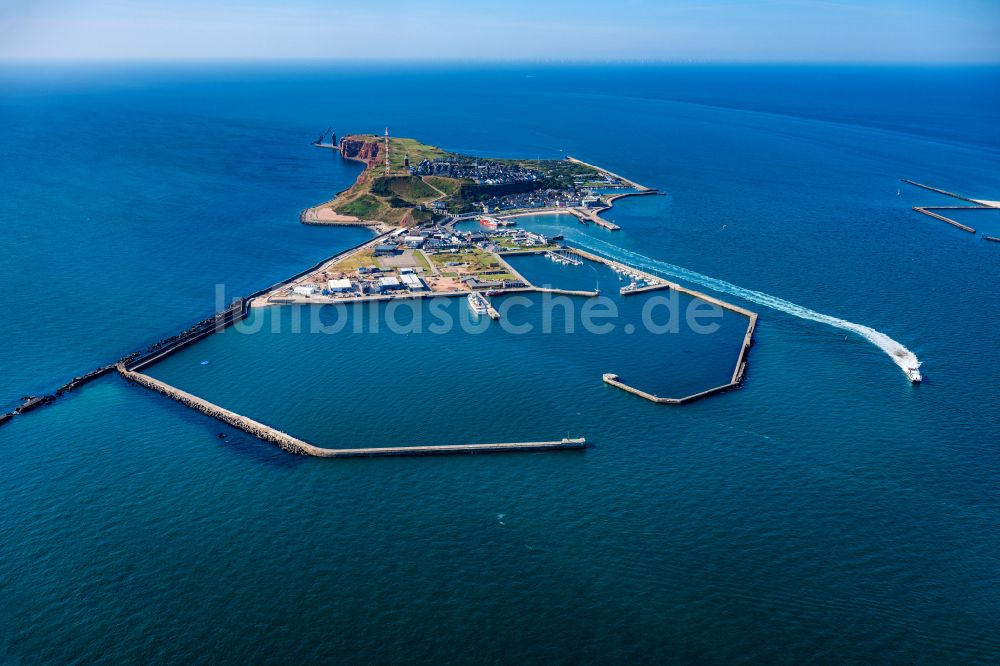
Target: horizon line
[{"x": 489, "y": 61}]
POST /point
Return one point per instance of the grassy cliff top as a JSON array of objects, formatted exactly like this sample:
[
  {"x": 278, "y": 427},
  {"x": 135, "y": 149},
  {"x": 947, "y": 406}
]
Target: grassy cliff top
[{"x": 404, "y": 199}]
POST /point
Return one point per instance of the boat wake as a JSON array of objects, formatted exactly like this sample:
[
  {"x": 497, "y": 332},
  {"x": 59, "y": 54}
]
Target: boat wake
[{"x": 900, "y": 355}]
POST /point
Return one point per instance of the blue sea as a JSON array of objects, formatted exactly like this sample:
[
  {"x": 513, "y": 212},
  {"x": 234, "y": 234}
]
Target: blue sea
[{"x": 826, "y": 511}]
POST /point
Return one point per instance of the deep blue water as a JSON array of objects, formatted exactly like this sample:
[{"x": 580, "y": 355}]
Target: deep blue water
[{"x": 826, "y": 511}]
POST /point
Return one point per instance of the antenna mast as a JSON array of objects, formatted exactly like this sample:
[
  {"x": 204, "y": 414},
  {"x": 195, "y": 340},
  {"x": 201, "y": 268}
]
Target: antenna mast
[{"x": 387, "y": 151}]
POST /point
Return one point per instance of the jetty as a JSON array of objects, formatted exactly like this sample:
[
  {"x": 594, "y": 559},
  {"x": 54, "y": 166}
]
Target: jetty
[
  {"x": 592, "y": 215},
  {"x": 735, "y": 380},
  {"x": 978, "y": 204},
  {"x": 567, "y": 292},
  {"x": 631, "y": 183},
  {"x": 940, "y": 191},
  {"x": 928, "y": 211},
  {"x": 298, "y": 446},
  {"x": 658, "y": 282},
  {"x": 560, "y": 258}
]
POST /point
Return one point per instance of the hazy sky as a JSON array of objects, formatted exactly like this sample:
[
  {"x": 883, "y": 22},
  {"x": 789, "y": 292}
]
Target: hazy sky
[{"x": 671, "y": 30}]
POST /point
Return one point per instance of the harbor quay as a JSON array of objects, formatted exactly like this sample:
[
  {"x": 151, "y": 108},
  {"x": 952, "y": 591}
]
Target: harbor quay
[{"x": 548, "y": 310}]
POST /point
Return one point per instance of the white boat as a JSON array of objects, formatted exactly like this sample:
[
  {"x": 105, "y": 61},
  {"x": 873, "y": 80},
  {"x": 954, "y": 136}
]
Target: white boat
[
  {"x": 913, "y": 374},
  {"x": 477, "y": 303}
]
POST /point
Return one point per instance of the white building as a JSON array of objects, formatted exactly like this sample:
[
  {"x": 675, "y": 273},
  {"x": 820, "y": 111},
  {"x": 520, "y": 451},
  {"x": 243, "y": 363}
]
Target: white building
[
  {"x": 305, "y": 290},
  {"x": 339, "y": 286},
  {"x": 413, "y": 283},
  {"x": 388, "y": 284}
]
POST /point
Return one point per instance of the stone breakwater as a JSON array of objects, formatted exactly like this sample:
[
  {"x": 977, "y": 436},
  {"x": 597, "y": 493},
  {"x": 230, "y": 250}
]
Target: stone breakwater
[
  {"x": 300, "y": 447},
  {"x": 31, "y": 402},
  {"x": 248, "y": 425}
]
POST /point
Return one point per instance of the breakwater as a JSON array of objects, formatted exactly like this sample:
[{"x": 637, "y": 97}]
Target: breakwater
[
  {"x": 298, "y": 446},
  {"x": 940, "y": 191},
  {"x": 594, "y": 214},
  {"x": 237, "y": 311},
  {"x": 634, "y": 184},
  {"x": 163, "y": 348},
  {"x": 738, "y": 371},
  {"x": 248, "y": 425},
  {"x": 927, "y": 211},
  {"x": 31, "y": 402}
]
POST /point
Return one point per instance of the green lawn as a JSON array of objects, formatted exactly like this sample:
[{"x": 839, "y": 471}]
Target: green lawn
[
  {"x": 476, "y": 259},
  {"x": 366, "y": 207}
]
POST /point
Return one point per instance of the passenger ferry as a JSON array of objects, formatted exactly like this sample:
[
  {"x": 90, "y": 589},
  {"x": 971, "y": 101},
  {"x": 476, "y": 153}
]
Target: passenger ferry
[
  {"x": 477, "y": 303},
  {"x": 489, "y": 222}
]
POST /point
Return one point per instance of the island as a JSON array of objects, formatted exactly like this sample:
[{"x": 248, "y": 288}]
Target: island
[
  {"x": 407, "y": 183},
  {"x": 446, "y": 225}
]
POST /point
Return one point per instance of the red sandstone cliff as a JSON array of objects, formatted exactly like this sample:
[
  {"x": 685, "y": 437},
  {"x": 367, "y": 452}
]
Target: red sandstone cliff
[{"x": 368, "y": 152}]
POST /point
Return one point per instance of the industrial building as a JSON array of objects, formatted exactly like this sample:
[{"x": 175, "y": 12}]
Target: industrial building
[
  {"x": 339, "y": 286},
  {"x": 389, "y": 284},
  {"x": 413, "y": 282}
]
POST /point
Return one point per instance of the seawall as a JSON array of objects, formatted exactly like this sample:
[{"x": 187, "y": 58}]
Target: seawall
[{"x": 300, "y": 447}]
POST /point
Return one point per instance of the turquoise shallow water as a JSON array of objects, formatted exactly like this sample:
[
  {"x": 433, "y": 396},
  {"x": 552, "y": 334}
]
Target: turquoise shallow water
[{"x": 826, "y": 511}]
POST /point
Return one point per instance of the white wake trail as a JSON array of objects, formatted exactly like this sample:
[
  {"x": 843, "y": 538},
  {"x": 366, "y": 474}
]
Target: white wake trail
[{"x": 902, "y": 356}]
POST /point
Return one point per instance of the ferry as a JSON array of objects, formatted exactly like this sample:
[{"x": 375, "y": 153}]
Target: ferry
[
  {"x": 477, "y": 303},
  {"x": 489, "y": 222}
]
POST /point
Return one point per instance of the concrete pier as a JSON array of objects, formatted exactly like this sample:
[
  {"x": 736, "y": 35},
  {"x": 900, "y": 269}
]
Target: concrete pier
[
  {"x": 566, "y": 292},
  {"x": 656, "y": 278},
  {"x": 977, "y": 204},
  {"x": 940, "y": 191},
  {"x": 295, "y": 445},
  {"x": 634, "y": 184},
  {"x": 446, "y": 449},
  {"x": 592, "y": 215},
  {"x": 738, "y": 371},
  {"x": 737, "y": 377},
  {"x": 927, "y": 211}
]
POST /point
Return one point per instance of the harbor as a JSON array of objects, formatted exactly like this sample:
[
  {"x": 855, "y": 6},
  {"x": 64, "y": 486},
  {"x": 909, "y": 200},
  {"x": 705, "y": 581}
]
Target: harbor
[{"x": 408, "y": 262}]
